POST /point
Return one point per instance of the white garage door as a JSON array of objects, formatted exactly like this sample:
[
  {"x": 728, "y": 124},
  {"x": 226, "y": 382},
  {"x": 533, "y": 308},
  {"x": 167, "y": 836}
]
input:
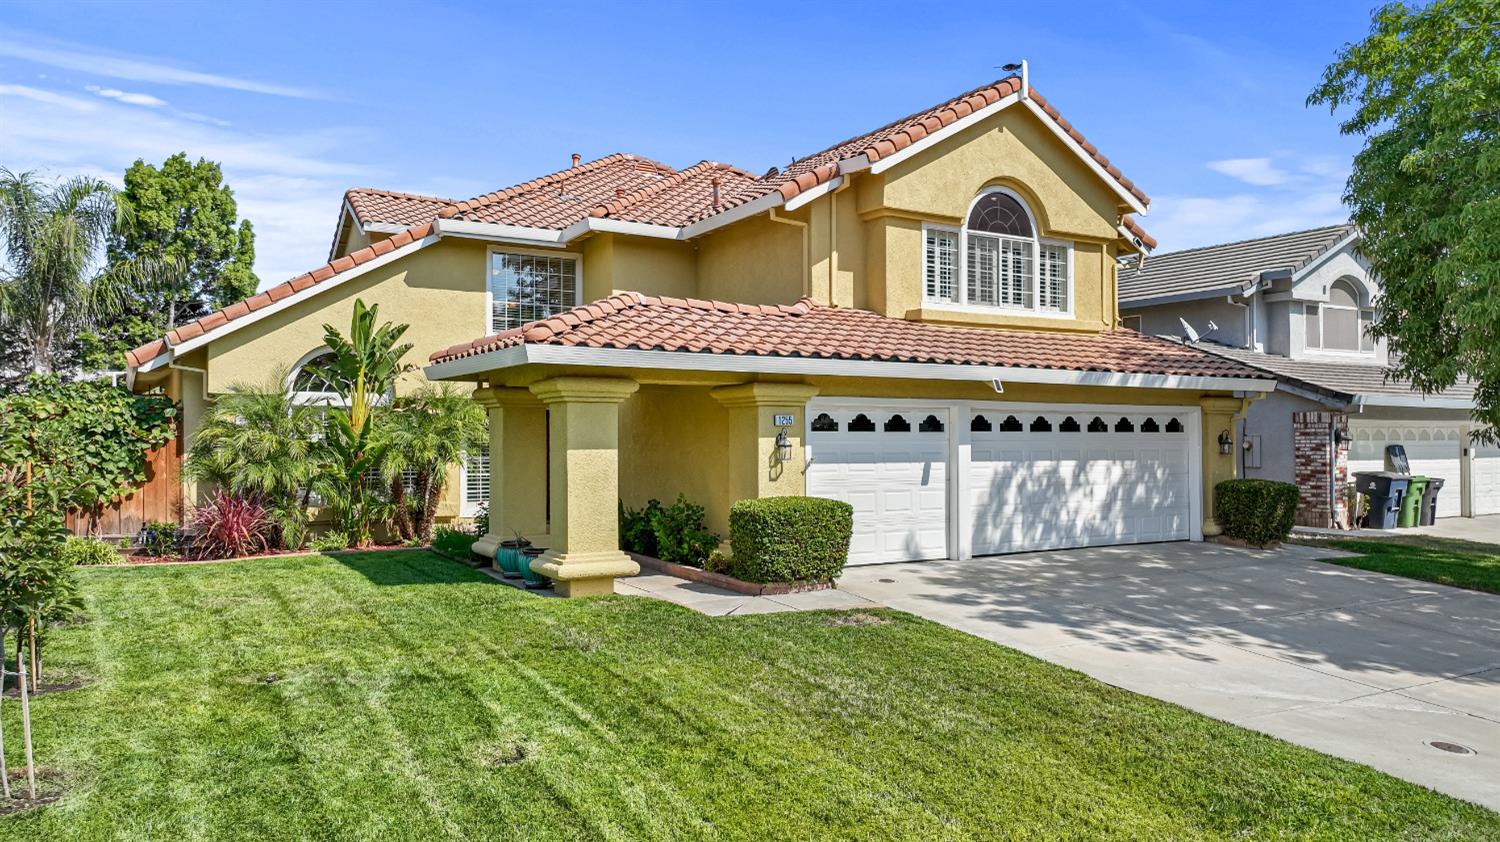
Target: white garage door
[
  {"x": 1434, "y": 451},
  {"x": 1486, "y": 479},
  {"x": 1072, "y": 479},
  {"x": 891, "y": 464}
]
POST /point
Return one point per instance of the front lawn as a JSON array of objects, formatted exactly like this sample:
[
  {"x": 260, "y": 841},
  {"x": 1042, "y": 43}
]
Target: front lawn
[
  {"x": 1446, "y": 561},
  {"x": 401, "y": 695}
]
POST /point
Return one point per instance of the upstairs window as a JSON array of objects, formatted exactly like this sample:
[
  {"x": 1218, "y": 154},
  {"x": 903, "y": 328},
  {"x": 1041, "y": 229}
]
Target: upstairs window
[
  {"x": 525, "y": 287},
  {"x": 1005, "y": 264},
  {"x": 1341, "y": 324}
]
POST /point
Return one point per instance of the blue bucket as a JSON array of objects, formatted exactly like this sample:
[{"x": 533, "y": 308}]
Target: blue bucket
[
  {"x": 532, "y": 578},
  {"x": 508, "y": 557}
]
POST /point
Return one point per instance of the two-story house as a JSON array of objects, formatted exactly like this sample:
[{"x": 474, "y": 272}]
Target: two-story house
[
  {"x": 920, "y": 320},
  {"x": 1299, "y": 306}
]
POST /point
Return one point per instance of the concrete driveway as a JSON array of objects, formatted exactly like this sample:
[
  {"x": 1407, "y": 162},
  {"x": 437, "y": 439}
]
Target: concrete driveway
[{"x": 1364, "y": 666}]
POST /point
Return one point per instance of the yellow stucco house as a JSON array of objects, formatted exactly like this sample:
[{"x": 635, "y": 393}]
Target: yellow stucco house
[{"x": 920, "y": 321}]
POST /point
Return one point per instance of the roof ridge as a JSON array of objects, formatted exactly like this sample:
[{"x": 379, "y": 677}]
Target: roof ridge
[
  {"x": 542, "y": 181},
  {"x": 397, "y": 194},
  {"x": 620, "y": 203},
  {"x": 1158, "y": 257}
]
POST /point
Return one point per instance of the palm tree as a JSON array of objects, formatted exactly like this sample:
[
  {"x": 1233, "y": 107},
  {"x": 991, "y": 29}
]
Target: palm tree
[
  {"x": 426, "y": 433},
  {"x": 53, "y": 283},
  {"x": 257, "y": 442}
]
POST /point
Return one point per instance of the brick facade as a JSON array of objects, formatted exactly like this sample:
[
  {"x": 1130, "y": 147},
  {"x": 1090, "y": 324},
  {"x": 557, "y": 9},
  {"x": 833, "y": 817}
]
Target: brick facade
[{"x": 1322, "y": 468}]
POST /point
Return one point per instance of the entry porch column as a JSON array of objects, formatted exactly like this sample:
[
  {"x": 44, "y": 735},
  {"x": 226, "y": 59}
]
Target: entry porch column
[
  {"x": 1218, "y": 417},
  {"x": 583, "y": 556},
  {"x": 518, "y": 467},
  {"x": 753, "y": 467}
]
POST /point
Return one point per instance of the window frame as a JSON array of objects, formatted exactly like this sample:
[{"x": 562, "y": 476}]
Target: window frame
[
  {"x": 467, "y": 507},
  {"x": 501, "y": 248},
  {"x": 961, "y": 303},
  {"x": 1322, "y": 308}
]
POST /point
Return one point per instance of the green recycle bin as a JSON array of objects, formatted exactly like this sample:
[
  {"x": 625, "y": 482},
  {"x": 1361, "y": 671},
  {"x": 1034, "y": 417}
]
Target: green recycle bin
[{"x": 1411, "y": 504}]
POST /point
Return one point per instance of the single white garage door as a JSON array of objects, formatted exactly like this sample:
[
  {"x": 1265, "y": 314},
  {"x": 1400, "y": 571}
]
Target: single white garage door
[
  {"x": 1486, "y": 479},
  {"x": 1434, "y": 451},
  {"x": 1073, "y": 479},
  {"x": 891, "y": 465}
]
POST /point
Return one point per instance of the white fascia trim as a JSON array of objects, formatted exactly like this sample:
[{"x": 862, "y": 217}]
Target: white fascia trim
[
  {"x": 499, "y": 233},
  {"x": 1416, "y": 401},
  {"x": 946, "y": 132},
  {"x": 296, "y": 297},
  {"x": 751, "y": 364},
  {"x": 1133, "y": 239},
  {"x": 815, "y": 193},
  {"x": 751, "y": 208},
  {"x": 1309, "y": 394},
  {"x": 385, "y": 227},
  {"x": 1326, "y": 256},
  {"x": 639, "y": 229},
  {"x": 1067, "y": 139}
]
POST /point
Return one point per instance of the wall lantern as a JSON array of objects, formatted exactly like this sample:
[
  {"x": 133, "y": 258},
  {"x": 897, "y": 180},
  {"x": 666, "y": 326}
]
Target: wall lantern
[
  {"x": 783, "y": 446},
  {"x": 1341, "y": 436},
  {"x": 1226, "y": 442}
]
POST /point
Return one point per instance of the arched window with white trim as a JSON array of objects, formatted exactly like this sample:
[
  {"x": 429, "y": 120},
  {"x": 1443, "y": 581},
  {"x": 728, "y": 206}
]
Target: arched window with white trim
[
  {"x": 1005, "y": 263},
  {"x": 309, "y": 385},
  {"x": 1343, "y": 323}
]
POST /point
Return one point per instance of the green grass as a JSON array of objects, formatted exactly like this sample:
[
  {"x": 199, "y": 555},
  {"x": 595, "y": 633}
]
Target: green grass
[
  {"x": 414, "y": 698},
  {"x": 1446, "y": 561}
]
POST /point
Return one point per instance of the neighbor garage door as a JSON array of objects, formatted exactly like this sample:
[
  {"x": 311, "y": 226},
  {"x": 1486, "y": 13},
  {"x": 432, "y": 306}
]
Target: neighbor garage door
[
  {"x": 1486, "y": 479},
  {"x": 891, "y": 464},
  {"x": 1432, "y": 450},
  {"x": 1072, "y": 479}
]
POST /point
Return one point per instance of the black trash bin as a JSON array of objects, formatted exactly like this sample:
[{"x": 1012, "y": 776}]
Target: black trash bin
[
  {"x": 1429, "y": 501},
  {"x": 1384, "y": 489}
]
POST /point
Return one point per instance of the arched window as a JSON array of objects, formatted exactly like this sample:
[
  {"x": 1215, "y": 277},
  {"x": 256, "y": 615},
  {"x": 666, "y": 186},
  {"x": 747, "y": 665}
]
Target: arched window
[
  {"x": 1150, "y": 426},
  {"x": 1068, "y": 425},
  {"x": 1174, "y": 426},
  {"x": 1004, "y": 261},
  {"x": 930, "y": 424},
  {"x": 824, "y": 423},
  {"x": 309, "y": 385},
  {"x": 861, "y": 423},
  {"x": 1343, "y": 324},
  {"x": 897, "y": 424},
  {"x": 1010, "y": 425},
  {"x": 980, "y": 424},
  {"x": 1124, "y": 426},
  {"x": 1041, "y": 425},
  {"x": 1098, "y": 426}
]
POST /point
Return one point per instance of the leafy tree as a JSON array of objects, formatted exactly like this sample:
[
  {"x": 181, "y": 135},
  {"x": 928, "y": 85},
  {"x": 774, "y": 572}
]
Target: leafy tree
[
  {"x": 53, "y": 284},
  {"x": 427, "y": 432},
  {"x": 1423, "y": 89},
  {"x": 363, "y": 367},
  {"x": 90, "y": 437},
  {"x": 256, "y": 442}
]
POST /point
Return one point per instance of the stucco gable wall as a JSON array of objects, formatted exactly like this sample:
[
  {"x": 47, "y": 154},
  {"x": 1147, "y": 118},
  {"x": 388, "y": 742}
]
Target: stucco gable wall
[{"x": 439, "y": 291}]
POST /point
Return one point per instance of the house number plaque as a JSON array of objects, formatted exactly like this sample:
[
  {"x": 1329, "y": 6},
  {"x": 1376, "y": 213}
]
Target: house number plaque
[{"x": 784, "y": 420}]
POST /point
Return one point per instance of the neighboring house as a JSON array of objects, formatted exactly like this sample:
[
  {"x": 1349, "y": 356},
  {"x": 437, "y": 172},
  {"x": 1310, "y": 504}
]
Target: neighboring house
[
  {"x": 920, "y": 321},
  {"x": 1299, "y": 306}
]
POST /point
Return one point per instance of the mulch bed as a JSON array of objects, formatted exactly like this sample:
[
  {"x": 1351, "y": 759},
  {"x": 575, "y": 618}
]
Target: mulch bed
[
  {"x": 47, "y": 687},
  {"x": 48, "y": 790},
  {"x": 721, "y": 580}
]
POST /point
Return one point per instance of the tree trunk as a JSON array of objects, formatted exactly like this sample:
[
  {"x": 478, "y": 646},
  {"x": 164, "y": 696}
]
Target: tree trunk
[
  {"x": 26, "y": 734},
  {"x": 4, "y": 772},
  {"x": 400, "y": 516},
  {"x": 432, "y": 489}
]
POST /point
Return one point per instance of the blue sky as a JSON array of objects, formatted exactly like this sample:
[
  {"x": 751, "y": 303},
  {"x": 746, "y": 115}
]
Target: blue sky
[{"x": 1200, "y": 103}]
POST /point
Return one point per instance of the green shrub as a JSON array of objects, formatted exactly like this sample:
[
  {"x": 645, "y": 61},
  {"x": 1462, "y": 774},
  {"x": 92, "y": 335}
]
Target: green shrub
[
  {"x": 159, "y": 538},
  {"x": 330, "y": 541},
  {"x": 453, "y": 542},
  {"x": 482, "y": 519},
  {"x": 86, "y": 552},
  {"x": 672, "y": 533},
  {"x": 789, "y": 539},
  {"x": 1257, "y": 511}
]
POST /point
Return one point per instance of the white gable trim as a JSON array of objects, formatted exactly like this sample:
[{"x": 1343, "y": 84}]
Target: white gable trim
[{"x": 1327, "y": 255}]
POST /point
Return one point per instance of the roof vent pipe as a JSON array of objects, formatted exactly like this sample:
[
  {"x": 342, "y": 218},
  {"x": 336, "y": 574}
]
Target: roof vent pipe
[
  {"x": 576, "y": 158},
  {"x": 715, "y": 181}
]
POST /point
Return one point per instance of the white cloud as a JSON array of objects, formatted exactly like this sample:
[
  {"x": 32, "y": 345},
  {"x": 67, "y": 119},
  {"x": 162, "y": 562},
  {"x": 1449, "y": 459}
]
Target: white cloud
[
  {"x": 1180, "y": 222},
  {"x": 1257, "y": 171},
  {"x": 127, "y": 97},
  {"x": 33, "y": 48},
  {"x": 288, "y": 184}
]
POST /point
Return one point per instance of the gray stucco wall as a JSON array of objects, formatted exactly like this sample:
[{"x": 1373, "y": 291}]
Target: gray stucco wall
[
  {"x": 1270, "y": 419},
  {"x": 1162, "y": 320}
]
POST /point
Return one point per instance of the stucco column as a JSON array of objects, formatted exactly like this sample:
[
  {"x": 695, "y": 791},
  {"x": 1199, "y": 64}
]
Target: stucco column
[
  {"x": 753, "y": 469},
  {"x": 584, "y": 557},
  {"x": 518, "y": 466},
  {"x": 191, "y": 394},
  {"x": 1218, "y": 417}
]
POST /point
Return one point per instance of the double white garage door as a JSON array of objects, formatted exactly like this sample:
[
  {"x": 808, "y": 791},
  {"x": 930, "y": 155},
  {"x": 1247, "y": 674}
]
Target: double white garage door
[
  {"x": 1434, "y": 450},
  {"x": 944, "y": 480}
]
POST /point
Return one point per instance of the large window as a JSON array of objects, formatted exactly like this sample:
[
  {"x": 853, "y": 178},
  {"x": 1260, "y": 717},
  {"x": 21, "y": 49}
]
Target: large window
[
  {"x": 1341, "y": 324},
  {"x": 476, "y": 482},
  {"x": 526, "y": 287},
  {"x": 310, "y": 385},
  {"x": 1005, "y": 264}
]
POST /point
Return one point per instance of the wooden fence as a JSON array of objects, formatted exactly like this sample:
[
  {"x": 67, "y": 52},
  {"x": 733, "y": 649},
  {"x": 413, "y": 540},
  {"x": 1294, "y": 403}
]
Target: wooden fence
[{"x": 158, "y": 499}]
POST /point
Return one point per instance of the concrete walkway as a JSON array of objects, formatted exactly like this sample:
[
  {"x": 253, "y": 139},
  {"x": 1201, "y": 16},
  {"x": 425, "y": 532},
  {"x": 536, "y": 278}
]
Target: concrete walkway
[
  {"x": 1483, "y": 530},
  {"x": 718, "y": 602},
  {"x": 1364, "y": 666}
]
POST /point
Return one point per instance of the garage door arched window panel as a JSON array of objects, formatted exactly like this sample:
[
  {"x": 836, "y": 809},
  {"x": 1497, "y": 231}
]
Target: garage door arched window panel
[
  {"x": 1010, "y": 425},
  {"x": 1124, "y": 425},
  {"x": 861, "y": 423},
  {"x": 1098, "y": 426},
  {"x": 1174, "y": 426},
  {"x": 1041, "y": 425},
  {"x": 1342, "y": 324},
  {"x": 897, "y": 424},
  {"x": 1068, "y": 425},
  {"x": 980, "y": 424},
  {"x": 930, "y": 424},
  {"x": 1150, "y": 426},
  {"x": 824, "y": 423},
  {"x": 1005, "y": 262}
]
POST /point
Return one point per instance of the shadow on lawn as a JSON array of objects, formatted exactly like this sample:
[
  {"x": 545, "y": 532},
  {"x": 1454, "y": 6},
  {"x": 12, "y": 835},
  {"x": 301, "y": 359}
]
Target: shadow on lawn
[{"x": 408, "y": 567}]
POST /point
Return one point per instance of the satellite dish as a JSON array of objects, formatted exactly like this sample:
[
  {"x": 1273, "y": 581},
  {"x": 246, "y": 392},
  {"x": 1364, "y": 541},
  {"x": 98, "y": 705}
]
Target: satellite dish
[
  {"x": 1187, "y": 331},
  {"x": 1211, "y": 326}
]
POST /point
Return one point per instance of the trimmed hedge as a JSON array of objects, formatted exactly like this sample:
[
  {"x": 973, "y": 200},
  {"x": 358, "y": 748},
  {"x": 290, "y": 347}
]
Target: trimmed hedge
[
  {"x": 789, "y": 539},
  {"x": 1257, "y": 511}
]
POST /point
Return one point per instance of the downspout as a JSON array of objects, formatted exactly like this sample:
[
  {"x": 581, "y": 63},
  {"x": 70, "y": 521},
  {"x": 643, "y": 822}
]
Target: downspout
[{"x": 806, "y": 249}]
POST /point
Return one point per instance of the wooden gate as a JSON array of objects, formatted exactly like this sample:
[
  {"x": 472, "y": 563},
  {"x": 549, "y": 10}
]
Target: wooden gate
[{"x": 159, "y": 498}]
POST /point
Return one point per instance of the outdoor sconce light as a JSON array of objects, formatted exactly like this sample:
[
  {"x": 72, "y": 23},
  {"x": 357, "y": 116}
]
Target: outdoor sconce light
[
  {"x": 1226, "y": 442},
  {"x": 783, "y": 446},
  {"x": 1341, "y": 437}
]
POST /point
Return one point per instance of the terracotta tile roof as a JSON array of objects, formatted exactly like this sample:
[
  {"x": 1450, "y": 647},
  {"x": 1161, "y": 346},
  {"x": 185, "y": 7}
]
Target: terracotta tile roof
[
  {"x": 806, "y": 173},
  {"x": 385, "y": 206},
  {"x": 685, "y": 197},
  {"x": 560, "y": 199},
  {"x": 1135, "y": 228},
  {"x": 145, "y": 353},
  {"x": 634, "y": 321}
]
